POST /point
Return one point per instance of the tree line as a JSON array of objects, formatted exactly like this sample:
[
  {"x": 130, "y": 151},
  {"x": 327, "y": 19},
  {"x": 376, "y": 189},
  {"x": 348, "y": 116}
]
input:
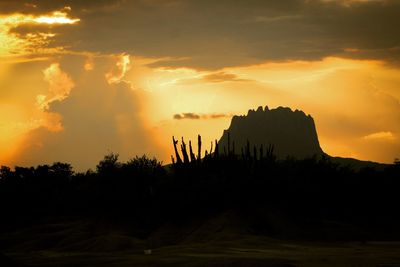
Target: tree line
[{"x": 253, "y": 183}]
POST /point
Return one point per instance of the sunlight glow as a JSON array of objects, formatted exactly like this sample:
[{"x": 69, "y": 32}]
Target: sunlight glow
[
  {"x": 56, "y": 18},
  {"x": 14, "y": 124}
]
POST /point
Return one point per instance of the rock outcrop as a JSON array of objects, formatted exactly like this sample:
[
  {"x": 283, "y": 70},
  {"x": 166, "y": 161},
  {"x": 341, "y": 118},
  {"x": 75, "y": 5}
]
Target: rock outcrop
[{"x": 292, "y": 133}]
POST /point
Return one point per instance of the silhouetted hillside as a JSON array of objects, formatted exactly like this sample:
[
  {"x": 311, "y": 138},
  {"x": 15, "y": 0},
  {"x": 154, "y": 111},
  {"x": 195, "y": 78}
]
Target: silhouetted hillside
[
  {"x": 357, "y": 164},
  {"x": 292, "y": 133}
]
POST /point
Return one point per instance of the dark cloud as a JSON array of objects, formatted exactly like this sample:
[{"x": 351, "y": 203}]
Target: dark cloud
[
  {"x": 195, "y": 116},
  {"x": 217, "y": 34},
  {"x": 192, "y": 116},
  {"x": 219, "y": 115},
  {"x": 222, "y": 77}
]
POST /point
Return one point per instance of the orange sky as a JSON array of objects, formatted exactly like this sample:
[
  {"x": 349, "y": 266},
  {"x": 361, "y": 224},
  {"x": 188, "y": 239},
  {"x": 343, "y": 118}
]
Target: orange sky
[{"x": 69, "y": 99}]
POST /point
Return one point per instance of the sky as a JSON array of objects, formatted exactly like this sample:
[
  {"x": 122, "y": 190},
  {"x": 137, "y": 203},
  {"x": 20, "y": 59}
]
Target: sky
[{"x": 81, "y": 79}]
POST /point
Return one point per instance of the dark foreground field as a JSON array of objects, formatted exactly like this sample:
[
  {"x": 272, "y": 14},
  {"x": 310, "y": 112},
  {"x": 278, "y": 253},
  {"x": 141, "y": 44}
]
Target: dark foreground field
[
  {"x": 219, "y": 211},
  {"x": 265, "y": 253},
  {"x": 78, "y": 242}
]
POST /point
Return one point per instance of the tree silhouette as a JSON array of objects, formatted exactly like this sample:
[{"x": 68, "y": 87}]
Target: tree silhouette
[{"x": 108, "y": 164}]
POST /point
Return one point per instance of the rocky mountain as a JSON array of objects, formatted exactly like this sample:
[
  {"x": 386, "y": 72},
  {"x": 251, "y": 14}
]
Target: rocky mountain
[{"x": 292, "y": 133}]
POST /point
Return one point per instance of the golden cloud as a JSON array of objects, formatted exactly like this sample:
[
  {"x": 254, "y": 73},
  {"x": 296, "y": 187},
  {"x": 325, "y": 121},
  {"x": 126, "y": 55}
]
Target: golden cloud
[
  {"x": 382, "y": 136},
  {"x": 89, "y": 65},
  {"x": 122, "y": 66},
  {"x": 56, "y": 17},
  {"x": 12, "y": 44},
  {"x": 60, "y": 85}
]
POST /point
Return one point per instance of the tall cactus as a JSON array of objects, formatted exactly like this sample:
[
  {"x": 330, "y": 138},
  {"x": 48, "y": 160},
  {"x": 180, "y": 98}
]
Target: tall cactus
[
  {"x": 199, "y": 148},
  {"x": 270, "y": 152},
  {"x": 192, "y": 156},
  {"x": 229, "y": 143},
  {"x": 248, "y": 156},
  {"x": 216, "y": 150},
  {"x": 184, "y": 152},
  {"x": 178, "y": 157}
]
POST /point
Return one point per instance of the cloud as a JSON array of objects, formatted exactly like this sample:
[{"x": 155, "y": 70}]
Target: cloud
[
  {"x": 383, "y": 136},
  {"x": 41, "y": 6},
  {"x": 60, "y": 85},
  {"x": 122, "y": 66},
  {"x": 57, "y": 17},
  {"x": 218, "y": 116},
  {"x": 263, "y": 30},
  {"x": 222, "y": 77},
  {"x": 182, "y": 116},
  {"x": 194, "y": 116},
  {"x": 89, "y": 65},
  {"x": 349, "y": 3},
  {"x": 16, "y": 40}
]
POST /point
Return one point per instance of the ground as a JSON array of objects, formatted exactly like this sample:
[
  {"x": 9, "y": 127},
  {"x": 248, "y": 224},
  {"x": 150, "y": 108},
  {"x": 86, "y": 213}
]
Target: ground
[{"x": 79, "y": 243}]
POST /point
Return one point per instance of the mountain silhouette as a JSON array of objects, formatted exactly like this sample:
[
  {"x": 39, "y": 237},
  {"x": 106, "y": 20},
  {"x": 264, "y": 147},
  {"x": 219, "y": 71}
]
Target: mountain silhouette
[{"x": 292, "y": 133}]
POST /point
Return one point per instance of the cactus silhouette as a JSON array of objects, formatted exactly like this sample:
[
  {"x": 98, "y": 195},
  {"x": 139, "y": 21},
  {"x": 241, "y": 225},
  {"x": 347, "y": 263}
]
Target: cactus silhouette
[
  {"x": 270, "y": 152},
  {"x": 184, "y": 152},
  {"x": 178, "y": 157},
  {"x": 216, "y": 151},
  {"x": 248, "y": 156},
  {"x": 229, "y": 143},
  {"x": 192, "y": 156},
  {"x": 199, "y": 148}
]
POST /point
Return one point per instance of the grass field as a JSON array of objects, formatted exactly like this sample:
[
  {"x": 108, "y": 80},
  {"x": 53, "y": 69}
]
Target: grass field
[{"x": 82, "y": 243}]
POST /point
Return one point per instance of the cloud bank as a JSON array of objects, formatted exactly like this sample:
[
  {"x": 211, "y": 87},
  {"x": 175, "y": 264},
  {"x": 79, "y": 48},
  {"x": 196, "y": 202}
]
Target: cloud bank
[{"x": 242, "y": 32}]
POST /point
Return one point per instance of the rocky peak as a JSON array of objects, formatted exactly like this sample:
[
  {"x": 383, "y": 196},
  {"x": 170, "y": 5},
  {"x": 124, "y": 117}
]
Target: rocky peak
[{"x": 292, "y": 133}]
